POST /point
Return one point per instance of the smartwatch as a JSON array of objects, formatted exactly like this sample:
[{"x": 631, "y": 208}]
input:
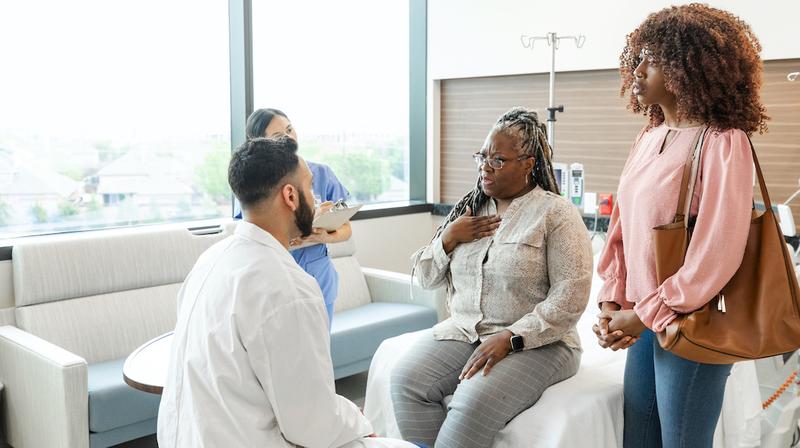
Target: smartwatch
[{"x": 517, "y": 344}]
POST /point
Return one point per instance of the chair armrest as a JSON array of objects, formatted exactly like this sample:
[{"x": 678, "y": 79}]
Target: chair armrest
[
  {"x": 388, "y": 286},
  {"x": 46, "y": 392}
]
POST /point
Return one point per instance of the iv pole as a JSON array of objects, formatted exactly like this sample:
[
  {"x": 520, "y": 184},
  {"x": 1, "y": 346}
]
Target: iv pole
[{"x": 553, "y": 40}]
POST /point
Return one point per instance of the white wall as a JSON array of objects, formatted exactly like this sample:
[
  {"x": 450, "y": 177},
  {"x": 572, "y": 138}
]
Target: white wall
[
  {"x": 468, "y": 38},
  {"x": 388, "y": 243}
]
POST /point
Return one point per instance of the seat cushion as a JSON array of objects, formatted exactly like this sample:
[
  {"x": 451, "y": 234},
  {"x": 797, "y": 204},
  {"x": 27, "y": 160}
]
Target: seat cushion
[
  {"x": 356, "y": 333},
  {"x": 114, "y": 404},
  {"x": 353, "y": 290}
]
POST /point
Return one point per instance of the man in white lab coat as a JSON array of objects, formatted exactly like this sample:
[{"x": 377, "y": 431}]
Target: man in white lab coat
[{"x": 250, "y": 365}]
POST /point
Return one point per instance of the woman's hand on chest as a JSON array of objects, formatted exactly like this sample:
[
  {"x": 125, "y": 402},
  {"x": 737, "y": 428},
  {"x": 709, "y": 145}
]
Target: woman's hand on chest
[{"x": 468, "y": 228}]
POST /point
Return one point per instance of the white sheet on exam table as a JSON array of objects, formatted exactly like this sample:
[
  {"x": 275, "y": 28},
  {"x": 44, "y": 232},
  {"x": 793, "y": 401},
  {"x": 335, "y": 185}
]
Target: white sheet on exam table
[{"x": 585, "y": 410}]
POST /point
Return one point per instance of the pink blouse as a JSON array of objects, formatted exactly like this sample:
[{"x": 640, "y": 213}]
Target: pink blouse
[{"x": 648, "y": 196}]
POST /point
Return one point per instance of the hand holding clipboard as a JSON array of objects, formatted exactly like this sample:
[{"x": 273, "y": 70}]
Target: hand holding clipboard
[{"x": 336, "y": 216}]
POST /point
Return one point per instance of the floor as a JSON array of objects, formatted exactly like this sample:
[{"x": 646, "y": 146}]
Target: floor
[
  {"x": 353, "y": 387},
  {"x": 144, "y": 442}
]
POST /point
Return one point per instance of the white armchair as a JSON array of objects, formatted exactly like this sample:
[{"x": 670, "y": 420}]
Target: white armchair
[
  {"x": 81, "y": 306},
  {"x": 374, "y": 305},
  {"x": 47, "y": 384},
  {"x": 388, "y": 286}
]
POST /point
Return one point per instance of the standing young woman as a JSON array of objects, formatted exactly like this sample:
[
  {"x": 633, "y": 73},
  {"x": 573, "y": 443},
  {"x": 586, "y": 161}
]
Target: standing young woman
[
  {"x": 311, "y": 253},
  {"x": 686, "y": 68}
]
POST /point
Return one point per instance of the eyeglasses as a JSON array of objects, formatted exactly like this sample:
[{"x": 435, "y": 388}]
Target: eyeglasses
[{"x": 494, "y": 162}]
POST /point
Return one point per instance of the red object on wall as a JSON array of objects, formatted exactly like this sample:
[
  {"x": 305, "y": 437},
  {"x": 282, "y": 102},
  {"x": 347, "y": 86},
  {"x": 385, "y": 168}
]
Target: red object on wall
[{"x": 606, "y": 203}]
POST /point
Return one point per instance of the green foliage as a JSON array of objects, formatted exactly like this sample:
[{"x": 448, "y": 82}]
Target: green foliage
[
  {"x": 74, "y": 173},
  {"x": 365, "y": 176},
  {"x": 39, "y": 213},
  {"x": 67, "y": 209},
  {"x": 312, "y": 150},
  {"x": 107, "y": 152},
  {"x": 365, "y": 165},
  {"x": 212, "y": 174},
  {"x": 94, "y": 205},
  {"x": 397, "y": 163}
]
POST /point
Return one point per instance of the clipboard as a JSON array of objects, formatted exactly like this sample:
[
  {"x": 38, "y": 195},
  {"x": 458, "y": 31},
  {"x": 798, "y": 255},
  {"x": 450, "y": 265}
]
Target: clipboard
[{"x": 335, "y": 218}]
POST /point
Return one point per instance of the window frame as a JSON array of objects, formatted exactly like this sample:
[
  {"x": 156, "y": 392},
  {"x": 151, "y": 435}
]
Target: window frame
[
  {"x": 240, "y": 43},
  {"x": 241, "y": 68}
]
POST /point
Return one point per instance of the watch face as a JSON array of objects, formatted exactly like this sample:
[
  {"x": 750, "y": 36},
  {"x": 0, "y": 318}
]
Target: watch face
[{"x": 516, "y": 343}]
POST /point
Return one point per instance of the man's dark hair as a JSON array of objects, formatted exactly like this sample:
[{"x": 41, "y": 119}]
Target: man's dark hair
[{"x": 258, "y": 166}]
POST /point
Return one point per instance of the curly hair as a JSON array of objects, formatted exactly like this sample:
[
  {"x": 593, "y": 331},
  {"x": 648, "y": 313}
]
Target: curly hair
[{"x": 710, "y": 61}]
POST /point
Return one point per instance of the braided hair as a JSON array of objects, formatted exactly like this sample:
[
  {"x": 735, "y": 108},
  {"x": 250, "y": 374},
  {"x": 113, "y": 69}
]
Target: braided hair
[{"x": 531, "y": 136}]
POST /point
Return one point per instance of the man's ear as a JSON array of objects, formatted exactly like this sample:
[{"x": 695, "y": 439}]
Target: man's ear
[{"x": 289, "y": 195}]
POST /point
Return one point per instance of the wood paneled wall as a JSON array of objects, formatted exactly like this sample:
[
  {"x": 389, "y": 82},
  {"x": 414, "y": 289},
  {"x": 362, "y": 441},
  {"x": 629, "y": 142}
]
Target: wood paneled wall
[{"x": 596, "y": 129}]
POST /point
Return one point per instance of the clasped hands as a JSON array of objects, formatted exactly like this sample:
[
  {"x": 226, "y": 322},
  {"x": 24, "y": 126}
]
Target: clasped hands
[{"x": 617, "y": 329}]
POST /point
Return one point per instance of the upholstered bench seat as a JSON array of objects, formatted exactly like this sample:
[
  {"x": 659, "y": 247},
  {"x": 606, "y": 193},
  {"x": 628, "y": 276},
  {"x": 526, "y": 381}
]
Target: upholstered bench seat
[
  {"x": 112, "y": 403},
  {"x": 356, "y": 333},
  {"x": 83, "y": 304}
]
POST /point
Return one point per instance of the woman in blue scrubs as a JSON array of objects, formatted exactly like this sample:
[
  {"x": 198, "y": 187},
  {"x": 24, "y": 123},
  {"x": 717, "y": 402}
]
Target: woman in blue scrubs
[{"x": 311, "y": 253}]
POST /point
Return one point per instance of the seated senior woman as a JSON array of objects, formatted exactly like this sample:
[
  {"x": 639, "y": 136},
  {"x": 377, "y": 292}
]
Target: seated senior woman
[{"x": 517, "y": 262}]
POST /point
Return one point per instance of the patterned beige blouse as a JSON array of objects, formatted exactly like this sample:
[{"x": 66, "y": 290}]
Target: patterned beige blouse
[{"x": 532, "y": 277}]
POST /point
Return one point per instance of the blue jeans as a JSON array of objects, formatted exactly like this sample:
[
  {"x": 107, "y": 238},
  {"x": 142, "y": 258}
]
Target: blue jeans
[{"x": 670, "y": 401}]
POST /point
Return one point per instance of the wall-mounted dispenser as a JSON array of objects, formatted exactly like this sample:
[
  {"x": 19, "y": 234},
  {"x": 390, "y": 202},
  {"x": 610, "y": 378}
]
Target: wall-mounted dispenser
[
  {"x": 576, "y": 184},
  {"x": 561, "y": 171}
]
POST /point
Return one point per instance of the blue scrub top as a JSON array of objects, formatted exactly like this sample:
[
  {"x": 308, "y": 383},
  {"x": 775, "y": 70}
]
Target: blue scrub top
[{"x": 314, "y": 259}]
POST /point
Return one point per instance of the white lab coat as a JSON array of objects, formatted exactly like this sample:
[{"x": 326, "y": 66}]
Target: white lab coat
[{"x": 250, "y": 363}]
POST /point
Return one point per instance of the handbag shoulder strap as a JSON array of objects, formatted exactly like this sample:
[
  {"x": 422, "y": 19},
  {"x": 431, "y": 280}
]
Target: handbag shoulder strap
[
  {"x": 762, "y": 184},
  {"x": 689, "y": 177}
]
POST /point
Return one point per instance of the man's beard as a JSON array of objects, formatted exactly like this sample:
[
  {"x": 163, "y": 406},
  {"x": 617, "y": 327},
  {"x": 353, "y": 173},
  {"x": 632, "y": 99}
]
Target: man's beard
[{"x": 304, "y": 216}]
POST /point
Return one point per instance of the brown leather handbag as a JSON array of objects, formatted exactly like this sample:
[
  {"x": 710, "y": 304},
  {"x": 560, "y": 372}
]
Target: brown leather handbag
[{"x": 757, "y": 314}]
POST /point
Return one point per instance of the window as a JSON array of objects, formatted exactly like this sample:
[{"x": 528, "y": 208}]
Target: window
[
  {"x": 340, "y": 71},
  {"x": 112, "y": 113}
]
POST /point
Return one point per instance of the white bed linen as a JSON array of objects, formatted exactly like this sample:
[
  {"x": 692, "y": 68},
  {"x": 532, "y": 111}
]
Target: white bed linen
[{"x": 585, "y": 410}]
